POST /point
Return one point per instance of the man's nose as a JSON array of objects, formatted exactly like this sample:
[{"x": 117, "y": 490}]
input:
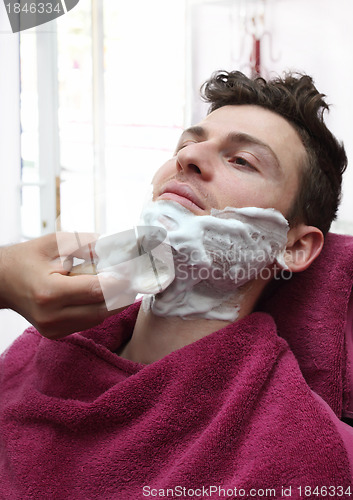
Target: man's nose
[{"x": 196, "y": 158}]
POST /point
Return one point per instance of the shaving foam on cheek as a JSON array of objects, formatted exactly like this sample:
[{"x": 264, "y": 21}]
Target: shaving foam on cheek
[
  {"x": 214, "y": 256},
  {"x": 136, "y": 261}
]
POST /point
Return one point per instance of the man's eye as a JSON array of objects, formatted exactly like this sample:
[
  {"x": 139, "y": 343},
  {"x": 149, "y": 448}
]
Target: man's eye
[{"x": 239, "y": 160}]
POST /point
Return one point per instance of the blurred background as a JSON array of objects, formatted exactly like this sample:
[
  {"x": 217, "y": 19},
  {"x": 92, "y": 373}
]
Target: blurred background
[{"x": 91, "y": 104}]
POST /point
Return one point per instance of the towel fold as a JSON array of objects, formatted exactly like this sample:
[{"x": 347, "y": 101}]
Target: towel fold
[
  {"x": 310, "y": 311},
  {"x": 231, "y": 410}
]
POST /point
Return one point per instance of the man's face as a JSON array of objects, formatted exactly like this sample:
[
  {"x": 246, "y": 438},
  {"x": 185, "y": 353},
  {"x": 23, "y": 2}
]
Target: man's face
[{"x": 238, "y": 156}]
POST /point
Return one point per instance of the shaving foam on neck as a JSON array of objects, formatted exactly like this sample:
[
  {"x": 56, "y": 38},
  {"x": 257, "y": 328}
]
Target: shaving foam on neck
[{"x": 214, "y": 256}]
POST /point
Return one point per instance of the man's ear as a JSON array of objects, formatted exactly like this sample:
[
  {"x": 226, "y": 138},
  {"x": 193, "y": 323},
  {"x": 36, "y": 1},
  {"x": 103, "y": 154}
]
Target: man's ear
[{"x": 304, "y": 244}]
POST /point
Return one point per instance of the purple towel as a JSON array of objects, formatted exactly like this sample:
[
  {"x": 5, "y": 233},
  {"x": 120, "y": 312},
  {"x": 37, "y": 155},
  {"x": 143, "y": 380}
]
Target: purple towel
[
  {"x": 310, "y": 311},
  {"x": 231, "y": 410}
]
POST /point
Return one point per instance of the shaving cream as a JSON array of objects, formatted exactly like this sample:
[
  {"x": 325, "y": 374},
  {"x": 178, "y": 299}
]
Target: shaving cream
[
  {"x": 137, "y": 261},
  {"x": 214, "y": 257}
]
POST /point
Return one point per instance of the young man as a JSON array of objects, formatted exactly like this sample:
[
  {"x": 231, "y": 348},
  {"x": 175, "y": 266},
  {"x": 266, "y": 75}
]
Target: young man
[{"x": 151, "y": 404}]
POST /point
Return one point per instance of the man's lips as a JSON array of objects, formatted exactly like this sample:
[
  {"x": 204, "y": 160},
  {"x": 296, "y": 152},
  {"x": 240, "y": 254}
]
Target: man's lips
[{"x": 182, "y": 193}]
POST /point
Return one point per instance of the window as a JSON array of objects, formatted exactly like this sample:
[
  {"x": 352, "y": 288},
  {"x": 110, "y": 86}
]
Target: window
[{"x": 102, "y": 106}]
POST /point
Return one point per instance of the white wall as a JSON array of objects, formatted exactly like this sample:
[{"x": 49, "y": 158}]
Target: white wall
[
  {"x": 11, "y": 324},
  {"x": 10, "y": 156},
  {"x": 316, "y": 37},
  {"x": 310, "y": 36}
]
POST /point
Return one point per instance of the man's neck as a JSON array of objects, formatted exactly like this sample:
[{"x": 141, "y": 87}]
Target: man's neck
[{"x": 155, "y": 337}]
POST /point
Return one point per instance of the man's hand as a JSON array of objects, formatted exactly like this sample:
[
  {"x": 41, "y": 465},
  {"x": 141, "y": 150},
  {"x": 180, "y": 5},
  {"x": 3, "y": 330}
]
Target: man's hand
[{"x": 34, "y": 281}]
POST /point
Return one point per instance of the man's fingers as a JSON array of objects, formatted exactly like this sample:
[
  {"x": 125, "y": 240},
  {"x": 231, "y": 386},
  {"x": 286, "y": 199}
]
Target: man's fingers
[
  {"x": 76, "y": 244},
  {"x": 76, "y": 290},
  {"x": 90, "y": 289}
]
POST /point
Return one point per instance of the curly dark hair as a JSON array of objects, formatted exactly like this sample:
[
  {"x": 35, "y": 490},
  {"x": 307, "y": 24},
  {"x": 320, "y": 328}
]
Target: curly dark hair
[{"x": 296, "y": 98}]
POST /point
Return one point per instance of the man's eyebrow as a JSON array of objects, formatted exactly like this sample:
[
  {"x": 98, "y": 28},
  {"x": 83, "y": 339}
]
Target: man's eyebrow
[
  {"x": 242, "y": 138},
  {"x": 196, "y": 130},
  {"x": 236, "y": 137}
]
